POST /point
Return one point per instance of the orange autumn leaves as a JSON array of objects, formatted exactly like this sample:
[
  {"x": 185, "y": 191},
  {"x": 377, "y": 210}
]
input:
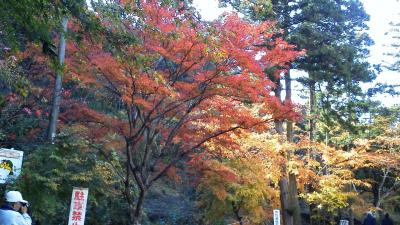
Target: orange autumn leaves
[
  {"x": 182, "y": 85},
  {"x": 184, "y": 69}
]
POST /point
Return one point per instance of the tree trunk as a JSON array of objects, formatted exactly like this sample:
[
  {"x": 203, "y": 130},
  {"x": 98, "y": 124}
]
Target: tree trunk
[
  {"x": 312, "y": 109},
  {"x": 237, "y": 214},
  {"x": 351, "y": 216},
  {"x": 285, "y": 198},
  {"x": 287, "y": 185},
  {"x": 277, "y": 91},
  {"x": 131, "y": 207},
  {"x": 127, "y": 187},
  {"x": 294, "y": 200},
  {"x": 55, "y": 109},
  {"x": 136, "y": 219},
  {"x": 288, "y": 99},
  {"x": 283, "y": 182},
  {"x": 287, "y": 217},
  {"x": 375, "y": 194},
  {"x": 292, "y": 188}
]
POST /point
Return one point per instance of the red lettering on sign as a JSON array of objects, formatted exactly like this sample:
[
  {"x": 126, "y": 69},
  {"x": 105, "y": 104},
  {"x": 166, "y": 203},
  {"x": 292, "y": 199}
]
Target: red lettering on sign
[
  {"x": 76, "y": 215},
  {"x": 79, "y": 196},
  {"x": 78, "y": 205}
]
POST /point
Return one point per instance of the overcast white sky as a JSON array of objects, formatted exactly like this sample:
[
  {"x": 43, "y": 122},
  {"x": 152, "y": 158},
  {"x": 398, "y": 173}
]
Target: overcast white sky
[{"x": 382, "y": 12}]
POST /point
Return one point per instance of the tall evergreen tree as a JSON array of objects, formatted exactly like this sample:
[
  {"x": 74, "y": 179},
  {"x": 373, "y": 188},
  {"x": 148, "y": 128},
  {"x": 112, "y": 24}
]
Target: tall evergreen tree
[
  {"x": 333, "y": 32},
  {"x": 334, "y": 35},
  {"x": 394, "y": 35}
]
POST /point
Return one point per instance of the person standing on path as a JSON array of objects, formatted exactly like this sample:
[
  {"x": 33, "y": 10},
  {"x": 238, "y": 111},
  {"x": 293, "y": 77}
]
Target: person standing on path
[
  {"x": 387, "y": 220},
  {"x": 14, "y": 212},
  {"x": 369, "y": 219}
]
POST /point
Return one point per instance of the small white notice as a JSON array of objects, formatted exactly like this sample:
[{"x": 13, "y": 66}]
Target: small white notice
[
  {"x": 344, "y": 222},
  {"x": 277, "y": 217},
  {"x": 78, "y": 206},
  {"x": 10, "y": 164}
]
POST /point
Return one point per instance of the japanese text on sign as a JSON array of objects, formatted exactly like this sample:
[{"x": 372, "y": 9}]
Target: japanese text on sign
[
  {"x": 277, "y": 217},
  {"x": 78, "y": 206}
]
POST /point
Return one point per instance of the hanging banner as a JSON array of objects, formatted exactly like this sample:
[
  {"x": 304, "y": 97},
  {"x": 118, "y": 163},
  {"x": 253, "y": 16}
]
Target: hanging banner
[
  {"x": 10, "y": 164},
  {"x": 277, "y": 217},
  {"x": 78, "y": 206}
]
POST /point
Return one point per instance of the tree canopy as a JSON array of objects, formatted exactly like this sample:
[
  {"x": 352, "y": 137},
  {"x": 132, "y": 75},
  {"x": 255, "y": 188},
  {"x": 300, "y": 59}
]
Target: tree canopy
[{"x": 160, "y": 108}]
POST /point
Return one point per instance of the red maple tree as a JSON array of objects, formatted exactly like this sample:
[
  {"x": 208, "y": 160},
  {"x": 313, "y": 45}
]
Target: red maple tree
[{"x": 184, "y": 83}]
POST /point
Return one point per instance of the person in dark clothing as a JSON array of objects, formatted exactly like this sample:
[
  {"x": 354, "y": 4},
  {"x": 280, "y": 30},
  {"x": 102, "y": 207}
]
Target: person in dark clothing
[
  {"x": 369, "y": 219},
  {"x": 387, "y": 220}
]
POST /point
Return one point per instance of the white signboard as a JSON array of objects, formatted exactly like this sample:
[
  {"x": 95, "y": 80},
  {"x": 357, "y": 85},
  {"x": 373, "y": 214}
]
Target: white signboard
[
  {"x": 344, "y": 222},
  {"x": 10, "y": 164},
  {"x": 78, "y": 206},
  {"x": 277, "y": 217}
]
